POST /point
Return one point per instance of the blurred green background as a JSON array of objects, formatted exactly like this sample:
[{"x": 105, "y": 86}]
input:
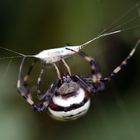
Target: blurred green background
[{"x": 29, "y": 26}]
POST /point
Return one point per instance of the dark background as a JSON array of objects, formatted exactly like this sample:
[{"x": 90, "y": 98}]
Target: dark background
[{"x": 29, "y": 26}]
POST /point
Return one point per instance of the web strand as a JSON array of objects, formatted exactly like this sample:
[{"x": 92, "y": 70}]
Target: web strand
[
  {"x": 110, "y": 27},
  {"x": 13, "y": 51}
]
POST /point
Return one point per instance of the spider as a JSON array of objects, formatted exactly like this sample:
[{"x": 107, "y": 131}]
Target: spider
[{"x": 67, "y": 98}]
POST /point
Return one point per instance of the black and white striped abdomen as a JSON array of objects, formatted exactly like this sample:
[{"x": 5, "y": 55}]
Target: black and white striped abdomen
[{"x": 69, "y": 106}]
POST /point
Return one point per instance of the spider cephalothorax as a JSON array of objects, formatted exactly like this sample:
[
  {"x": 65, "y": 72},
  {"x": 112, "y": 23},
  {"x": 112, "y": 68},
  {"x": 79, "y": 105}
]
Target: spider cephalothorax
[{"x": 68, "y": 98}]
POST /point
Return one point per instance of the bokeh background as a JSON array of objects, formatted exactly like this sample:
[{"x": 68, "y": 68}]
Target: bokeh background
[{"x": 29, "y": 26}]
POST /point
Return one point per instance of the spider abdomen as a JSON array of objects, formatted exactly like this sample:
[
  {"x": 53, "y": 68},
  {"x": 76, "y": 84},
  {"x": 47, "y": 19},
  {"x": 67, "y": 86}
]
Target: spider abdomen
[{"x": 69, "y": 106}]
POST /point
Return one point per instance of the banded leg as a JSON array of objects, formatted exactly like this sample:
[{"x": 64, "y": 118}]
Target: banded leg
[
  {"x": 87, "y": 83},
  {"x": 39, "y": 79},
  {"x": 96, "y": 75},
  {"x": 22, "y": 86},
  {"x": 45, "y": 99},
  {"x": 39, "y": 94},
  {"x": 123, "y": 63},
  {"x": 24, "y": 91},
  {"x": 67, "y": 66},
  {"x": 26, "y": 77}
]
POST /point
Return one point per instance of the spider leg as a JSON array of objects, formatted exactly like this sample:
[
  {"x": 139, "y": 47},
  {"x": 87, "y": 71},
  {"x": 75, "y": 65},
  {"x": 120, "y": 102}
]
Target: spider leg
[
  {"x": 22, "y": 86},
  {"x": 26, "y": 77},
  {"x": 96, "y": 75},
  {"x": 83, "y": 82},
  {"x": 123, "y": 63},
  {"x": 67, "y": 66},
  {"x": 45, "y": 99},
  {"x": 24, "y": 91},
  {"x": 57, "y": 70},
  {"x": 88, "y": 84},
  {"x": 39, "y": 79}
]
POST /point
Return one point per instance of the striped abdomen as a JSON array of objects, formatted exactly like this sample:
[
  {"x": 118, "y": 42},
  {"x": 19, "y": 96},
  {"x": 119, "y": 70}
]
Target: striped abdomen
[{"x": 69, "y": 106}]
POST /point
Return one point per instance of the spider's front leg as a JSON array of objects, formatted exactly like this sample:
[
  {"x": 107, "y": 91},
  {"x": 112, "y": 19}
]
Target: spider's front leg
[
  {"x": 44, "y": 99},
  {"x": 94, "y": 82},
  {"x": 24, "y": 90},
  {"x": 95, "y": 71},
  {"x": 39, "y": 80}
]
